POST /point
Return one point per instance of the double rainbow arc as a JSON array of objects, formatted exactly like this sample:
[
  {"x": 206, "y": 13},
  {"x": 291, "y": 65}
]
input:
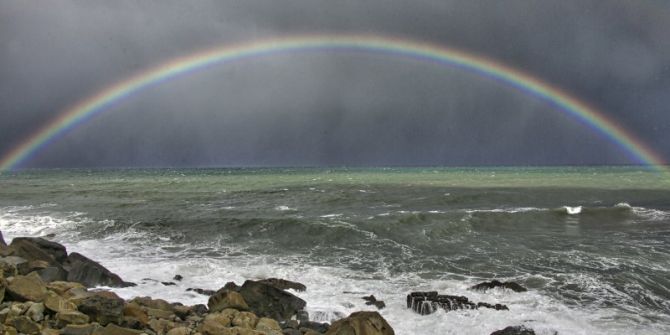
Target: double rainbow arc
[{"x": 102, "y": 100}]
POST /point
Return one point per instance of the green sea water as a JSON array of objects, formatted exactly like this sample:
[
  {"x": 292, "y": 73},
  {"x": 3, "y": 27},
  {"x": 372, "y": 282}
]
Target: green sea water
[{"x": 591, "y": 243}]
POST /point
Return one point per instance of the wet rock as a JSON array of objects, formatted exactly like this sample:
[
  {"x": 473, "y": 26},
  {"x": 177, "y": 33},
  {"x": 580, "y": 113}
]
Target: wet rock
[
  {"x": 232, "y": 286},
  {"x": 514, "y": 330},
  {"x": 37, "y": 248},
  {"x": 206, "y": 292},
  {"x": 302, "y": 316},
  {"x": 268, "y": 301},
  {"x": 199, "y": 309},
  {"x": 315, "y": 326},
  {"x": 168, "y": 283},
  {"x": 283, "y": 284},
  {"x": 101, "y": 309},
  {"x": 371, "y": 300},
  {"x": 26, "y": 288},
  {"x": 494, "y": 283},
  {"x": 90, "y": 273},
  {"x": 426, "y": 303},
  {"x": 2, "y": 241},
  {"x": 52, "y": 273},
  {"x": 178, "y": 277},
  {"x": 225, "y": 298},
  {"x": 361, "y": 323}
]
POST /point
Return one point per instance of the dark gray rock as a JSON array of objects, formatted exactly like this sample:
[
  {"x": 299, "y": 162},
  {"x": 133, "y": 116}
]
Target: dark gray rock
[
  {"x": 206, "y": 292},
  {"x": 514, "y": 330},
  {"x": 2, "y": 241},
  {"x": 36, "y": 248},
  {"x": 268, "y": 301},
  {"x": 426, "y": 303},
  {"x": 102, "y": 309},
  {"x": 90, "y": 273},
  {"x": 283, "y": 284},
  {"x": 168, "y": 283},
  {"x": 372, "y": 301},
  {"x": 494, "y": 283},
  {"x": 315, "y": 326},
  {"x": 52, "y": 273},
  {"x": 178, "y": 277}
]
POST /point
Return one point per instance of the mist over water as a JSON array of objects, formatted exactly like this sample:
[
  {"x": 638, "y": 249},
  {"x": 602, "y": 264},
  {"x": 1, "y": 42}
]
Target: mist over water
[{"x": 591, "y": 244}]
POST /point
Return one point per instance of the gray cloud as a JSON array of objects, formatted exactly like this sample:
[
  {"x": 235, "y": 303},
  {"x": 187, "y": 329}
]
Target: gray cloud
[{"x": 334, "y": 109}]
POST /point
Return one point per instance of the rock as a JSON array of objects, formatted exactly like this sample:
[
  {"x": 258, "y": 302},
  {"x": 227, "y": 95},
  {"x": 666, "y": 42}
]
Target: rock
[
  {"x": 168, "y": 283},
  {"x": 494, "y": 283},
  {"x": 307, "y": 331},
  {"x": 225, "y": 298},
  {"x": 135, "y": 310},
  {"x": 26, "y": 288},
  {"x": 290, "y": 331},
  {"x": 179, "y": 331},
  {"x": 2, "y": 241},
  {"x": 68, "y": 317},
  {"x": 268, "y": 301},
  {"x": 514, "y": 330},
  {"x": 177, "y": 277},
  {"x": 160, "y": 326},
  {"x": 371, "y": 300},
  {"x": 426, "y": 303},
  {"x": 12, "y": 265},
  {"x": 182, "y": 311},
  {"x": 302, "y": 316},
  {"x": 199, "y": 309},
  {"x": 36, "y": 312},
  {"x": 55, "y": 303},
  {"x": 215, "y": 323},
  {"x": 201, "y": 291},
  {"x": 60, "y": 287},
  {"x": 52, "y": 273},
  {"x": 85, "y": 329},
  {"x": 160, "y": 313},
  {"x": 26, "y": 326},
  {"x": 284, "y": 284},
  {"x": 315, "y": 326},
  {"x": 90, "y": 273},
  {"x": 361, "y": 323},
  {"x": 37, "y": 248},
  {"x": 268, "y": 326},
  {"x": 102, "y": 310},
  {"x": 232, "y": 286},
  {"x": 112, "y": 329},
  {"x": 153, "y": 303},
  {"x": 50, "y": 331},
  {"x": 245, "y": 320}
]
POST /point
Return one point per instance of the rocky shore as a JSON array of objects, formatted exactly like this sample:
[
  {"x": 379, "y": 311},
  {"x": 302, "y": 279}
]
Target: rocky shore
[{"x": 46, "y": 291}]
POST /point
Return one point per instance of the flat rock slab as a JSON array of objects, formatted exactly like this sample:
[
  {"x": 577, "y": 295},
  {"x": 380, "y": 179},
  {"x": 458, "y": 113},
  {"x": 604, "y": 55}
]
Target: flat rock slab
[
  {"x": 516, "y": 287},
  {"x": 426, "y": 303}
]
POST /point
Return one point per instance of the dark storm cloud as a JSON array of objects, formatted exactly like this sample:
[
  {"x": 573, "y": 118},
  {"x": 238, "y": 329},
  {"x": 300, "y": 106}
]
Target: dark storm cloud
[{"x": 334, "y": 108}]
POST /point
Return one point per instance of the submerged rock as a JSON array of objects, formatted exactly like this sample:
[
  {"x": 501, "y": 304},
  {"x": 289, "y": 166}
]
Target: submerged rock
[
  {"x": 494, "y": 283},
  {"x": 514, "y": 330},
  {"x": 371, "y": 300},
  {"x": 201, "y": 291},
  {"x": 361, "y": 323},
  {"x": 426, "y": 303},
  {"x": 268, "y": 301}
]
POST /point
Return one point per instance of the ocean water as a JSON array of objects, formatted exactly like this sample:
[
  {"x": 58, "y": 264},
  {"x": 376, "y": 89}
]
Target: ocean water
[{"x": 591, "y": 244}]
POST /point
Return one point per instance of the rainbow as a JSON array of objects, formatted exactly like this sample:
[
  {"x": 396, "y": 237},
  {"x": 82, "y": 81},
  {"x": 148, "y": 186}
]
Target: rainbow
[{"x": 85, "y": 109}]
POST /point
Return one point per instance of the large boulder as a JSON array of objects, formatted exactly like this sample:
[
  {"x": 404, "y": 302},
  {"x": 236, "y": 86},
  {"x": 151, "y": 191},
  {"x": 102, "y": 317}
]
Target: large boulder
[
  {"x": 426, "y": 303},
  {"x": 225, "y": 298},
  {"x": 101, "y": 309},
  {"x": 516, "y": 287},
  {"x": 90, "y": 273},
  {"x": 3, "y": 244},
  {"x": 37, "y": 248},
  {"x": 26, "y": 288},
  {"x": 284, "y": 284},
  {"x": 361, "y": 323},
  {"x": 268, "y": 301}
]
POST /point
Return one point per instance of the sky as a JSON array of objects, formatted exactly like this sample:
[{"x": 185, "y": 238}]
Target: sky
[{"x": 334, "y": 108}]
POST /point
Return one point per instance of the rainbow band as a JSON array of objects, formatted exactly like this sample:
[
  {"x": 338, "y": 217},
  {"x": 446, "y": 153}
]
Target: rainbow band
[{"x": 103, "y": 99}]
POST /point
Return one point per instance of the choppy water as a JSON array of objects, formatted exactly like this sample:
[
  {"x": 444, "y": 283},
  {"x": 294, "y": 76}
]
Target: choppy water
[{"x": 591, "y": 244}]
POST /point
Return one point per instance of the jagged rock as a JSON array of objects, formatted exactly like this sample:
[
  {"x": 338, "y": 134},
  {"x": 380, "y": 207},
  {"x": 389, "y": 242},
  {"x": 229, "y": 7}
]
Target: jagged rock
[
  {"x": 102, "y": 309},
  {"x": 13, "y": 265},
  {"x": 201, "y": 291},
  {"x": 168, "y": 283},
  {"x": 494, "y": 283},
  {"x": 56, "y": 303},
  {"x": 60, "y": 287},
  {"x": 361, "y": 323},
  {"x": 371, "y": 300},
  {"x": 283, "y": 284},
  {"x": 26, "y": 326},
  {"x": 178, "y": 277},
  {"x": 225, "y": 298},
  {"x": 215, "y": 323},
  {"x": 37, "y": 248},
  {"x": 268, "y": 326},
  {"x": 315, "y": 326},
  {"x": 52, "y": 273},
  {"x": 514, "y": 330},
  {"x": 429, "y": 302},
  {"x": 2, "y": 241},
  {"x": 36, "y": 312},
  {"x": 268, "y": 301},
  {"x": 67, "y": 317},
  {"x": 302, "y": 316},
  {"x": 232, "y": 286},
  {"x": 90, "y": 273},
  {"x": 26, "y": 288},
  {"x": 134, "y": 310}
]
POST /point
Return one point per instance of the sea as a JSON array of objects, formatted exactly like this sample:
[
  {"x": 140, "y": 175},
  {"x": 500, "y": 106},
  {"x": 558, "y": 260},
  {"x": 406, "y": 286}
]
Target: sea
[{"x": 591, "y": 244}]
